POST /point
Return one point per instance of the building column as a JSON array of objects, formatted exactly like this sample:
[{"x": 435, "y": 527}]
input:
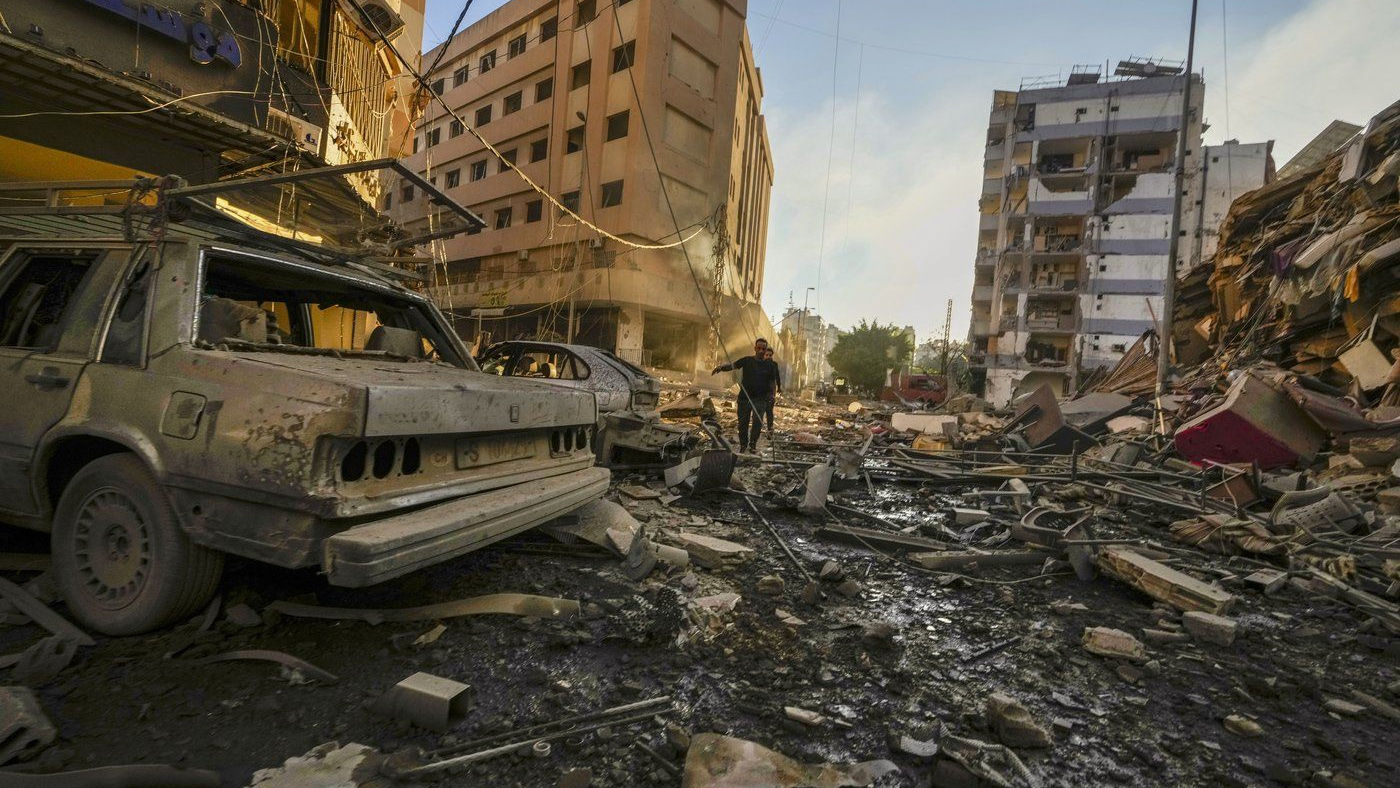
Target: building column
[{"x": 631, "y": 324}]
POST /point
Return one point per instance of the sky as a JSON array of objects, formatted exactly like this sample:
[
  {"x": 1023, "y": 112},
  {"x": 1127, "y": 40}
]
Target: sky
[{"x": 875, "y": 204}]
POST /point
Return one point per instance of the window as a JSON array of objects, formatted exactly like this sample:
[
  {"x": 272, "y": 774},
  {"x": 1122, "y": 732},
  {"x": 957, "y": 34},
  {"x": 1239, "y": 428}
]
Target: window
[
  {"x": 439, "y": 86},
  {"x": 478, "y": 170},
  {"x": 573, "y": 143},
  {"x": 549, "y": 28},
  {"x": 622, "y": 2},
  {"x": 454, "y": 178},
  {"x": 35, "y": 306},
  {"x": 502, "y": 218},
  {"x": 512, "y": 103},
  {"x": 459, "y": 77},
  {"x": 126, "y": 332},
  {"x": 612, "y": 194},
  {"x": 539, "y": 150},
  {"x": 483, "y": 115},
  {"x": 516, "y": 46},
  {"x": 388, "y": 200},
  {"x": 415, "y": 143},
  {"x": 617, "y": 126},
  {"x": 587, "y": 9},
  {"x": 534, "y": 210},
  {"x": 406, "y": 193},
  {"x": 488, "y": 62},
  {"x": 544, "y": 89},
  {"x": 570, "y": 200},
  {"x": 434, "y": 137},
  {"x": 508, "y": 156},
  {"x": 455, "y": 129},
  {"x": 580, "y": 75},
  {"x": 624, "y": 55},
  {"x": 300, "y": 39}
]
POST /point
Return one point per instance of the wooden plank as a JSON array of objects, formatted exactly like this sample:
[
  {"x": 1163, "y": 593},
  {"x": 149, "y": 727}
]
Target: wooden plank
[
  {"x": 963, "y": 560},
  {"x": 1163, "y": 583},
  {"x": 43, "y": 616},
  {"x": 865, "y": 537}
]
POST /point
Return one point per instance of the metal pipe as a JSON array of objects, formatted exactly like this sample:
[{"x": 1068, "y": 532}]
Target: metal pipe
[{"x": 530, "y": 731}]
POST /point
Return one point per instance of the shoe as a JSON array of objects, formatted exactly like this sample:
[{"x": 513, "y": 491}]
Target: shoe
[{"x": 743, "y": 449}]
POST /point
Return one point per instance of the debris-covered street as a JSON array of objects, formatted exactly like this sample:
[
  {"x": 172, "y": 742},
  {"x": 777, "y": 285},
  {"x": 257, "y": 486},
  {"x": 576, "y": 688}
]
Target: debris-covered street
[{"x": 1021, "y": 658}]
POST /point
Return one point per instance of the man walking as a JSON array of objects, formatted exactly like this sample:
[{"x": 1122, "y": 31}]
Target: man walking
[{"x": 757, "y": 385}]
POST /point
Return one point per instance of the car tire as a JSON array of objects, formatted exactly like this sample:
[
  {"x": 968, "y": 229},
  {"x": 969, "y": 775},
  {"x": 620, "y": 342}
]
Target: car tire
[{"x": 122, "y": 562}]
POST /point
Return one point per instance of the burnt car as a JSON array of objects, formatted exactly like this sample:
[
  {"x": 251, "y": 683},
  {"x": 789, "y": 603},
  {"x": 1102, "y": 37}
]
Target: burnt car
[
  {"x": 630, "y": 432},
  {"x": 213, "y": 388}
]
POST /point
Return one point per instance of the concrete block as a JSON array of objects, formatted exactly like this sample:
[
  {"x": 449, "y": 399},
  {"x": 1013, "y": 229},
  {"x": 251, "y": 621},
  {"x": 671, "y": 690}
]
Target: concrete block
[
  {"x": 24, "y": 730},
  {"x": 1210, "y": 628},
  {"x": 712, "y": 553},
  {"x": 427, "y": 701},
  {"x": 1107, "y": 642}
]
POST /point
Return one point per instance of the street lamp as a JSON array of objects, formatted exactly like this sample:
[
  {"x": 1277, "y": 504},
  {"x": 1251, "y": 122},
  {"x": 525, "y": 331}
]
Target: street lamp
[{"x": 802, "y": 340}]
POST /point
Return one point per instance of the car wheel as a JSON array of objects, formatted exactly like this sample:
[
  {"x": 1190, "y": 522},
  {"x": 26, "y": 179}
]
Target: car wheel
[{"x": 122, "y": 562}]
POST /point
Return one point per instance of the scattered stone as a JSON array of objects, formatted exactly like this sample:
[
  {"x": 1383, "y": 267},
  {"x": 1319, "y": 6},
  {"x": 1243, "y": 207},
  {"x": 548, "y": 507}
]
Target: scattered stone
[
  {"x": 910, "y": 745},
  {"x": 1064, "y": 607},
  {"x": 788, "y": 618},
  {"x": 848, "y": 588},
  {"x": 1107, "y": 642},
  {"x": 1243, "y": 726},
  {"x": 712, "y": 553},
  {"x": 1268, "y": 581},
  {"x": 242, "y": 616},
  {"x": 717, "y": 602},
  {"x": 1163, "y": 636},
  {"x": 830, "y": 572},
  {"x": 804, "y": 716},
  {"x": 770, "y": 585},
  {"x": 878, "y": 634},
  {"x": 575, "y": 778},
  {"x": 24, "y": 730},
  {"x": 963, "y": 516},
  {"x": 326, "y": 766},
  {"x": 1013, "y": 723},
  {"x": 1344, "y": 708},
  {"x": 1210, "y": 627},
  {"x": 639, "y": 493}
]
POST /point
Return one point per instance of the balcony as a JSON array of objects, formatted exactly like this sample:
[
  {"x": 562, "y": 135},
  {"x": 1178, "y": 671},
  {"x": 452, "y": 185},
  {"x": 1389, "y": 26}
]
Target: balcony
[
  {"x": 1050, "y": 324},
  {"x": 1007, "y": 323},
  {"x": 1057, "y": 244},
  {"x": 996, "y": 151},
  {"x": 989, "y": 221},
  {"x": 991, "y": 186},
  {"x": 982, "y": 293},
  {"x": 986, "y": 257},
  {"x": 981, "y": 328}
]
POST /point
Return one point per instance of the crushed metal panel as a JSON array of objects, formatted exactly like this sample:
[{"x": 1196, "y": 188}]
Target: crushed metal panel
[{"x": 1255, "y": 423}]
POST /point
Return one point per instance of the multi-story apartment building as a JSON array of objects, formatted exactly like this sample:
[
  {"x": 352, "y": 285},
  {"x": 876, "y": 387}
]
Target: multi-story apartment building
[
  {"x": 1227, "y": 171},
  {"x": 203, "y": 89},
  {"x": 804, "y": 339},
  {"x": 1075, "y": 220},
  {"x": 644, "y": 117}
]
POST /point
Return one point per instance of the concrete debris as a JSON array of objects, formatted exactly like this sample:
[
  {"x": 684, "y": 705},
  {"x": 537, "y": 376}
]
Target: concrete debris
[
  {"x": 242, "y": 616},
  {"x": 1013, "y": 723},
  {"x": 327, "y": 766},
  {"x": 718, "y": 602},
  {"x": 716, "y": 761},
  {"x": 1344, "y": 708},
  {"x": 37, "y": 612},
  {"x": 1107, "y": 642},
  {"x": 1162, "y": 582},
  {"x": 1210, "y": 628},
  {"x": 804, "y": 716},
  {"x": 24, "y": 730},
  {"x": 711, "y": 552},
  {"x": 428, "y": 701},
  {"x": 42, "y": 662},
  {"x": 501, "y": 604},
  {"x": 1243, "y": 726},
  {"x": 770, "y": 585},
  {"x": 817, "y": 487},
  {"x": 132, "y": 776}
]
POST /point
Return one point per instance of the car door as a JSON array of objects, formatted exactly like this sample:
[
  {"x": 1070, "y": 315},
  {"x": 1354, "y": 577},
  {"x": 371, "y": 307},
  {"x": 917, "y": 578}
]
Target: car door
[{"x": 51, "y": 301}]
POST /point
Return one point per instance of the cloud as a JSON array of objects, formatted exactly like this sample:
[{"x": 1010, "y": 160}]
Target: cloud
[
  {"x": 900, "y": 236},
  {"x": 1333, "y": 59}
]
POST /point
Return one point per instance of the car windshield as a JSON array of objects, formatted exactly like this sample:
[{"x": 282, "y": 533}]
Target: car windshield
[{"x": 258, "y": 305}]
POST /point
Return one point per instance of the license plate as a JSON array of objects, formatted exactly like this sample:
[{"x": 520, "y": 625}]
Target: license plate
[{"x": 491, "y": 451}]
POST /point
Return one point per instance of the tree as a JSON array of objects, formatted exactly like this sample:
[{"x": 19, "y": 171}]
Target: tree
[
  {"x": 928, "y": 359},
  {"x": 865, "y": 354}
]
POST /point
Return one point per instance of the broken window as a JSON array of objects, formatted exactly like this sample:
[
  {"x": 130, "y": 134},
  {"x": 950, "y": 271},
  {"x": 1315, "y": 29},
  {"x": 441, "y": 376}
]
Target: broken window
[
  {"x": 455, "y": 129},
  {"x": 454, "y": 178},
  {"x": 516, "y": 46},
  {"x": 406, "y": 194},
  {"x": 434, "y": 136},
  {"x": 507, "y": 156},
  {"x": 549, "y": 28},
  {"x": 580, "y": 75},
  {"x": 483, "y": 115},
  {"x": 36, "y": 303},
  {"x": 539, "y": 150},
  {"x": 534, "y": 211},
  {"x": 585, "y": 12},
  {"x": 617, "y": 126},
  {"x": 478, "y": 170},
  {"x": 570, "y": 200},
  {"x": 511, "y": 103},
  {"x": 623, "y": 56},
  {"x": 459, "y": 77},
  {"x": 439, "y": 86},
  {"x": 612, "y": 194},
  {"x": 488, "y": 62},
  {"x": 573, "y": 140},
  {"x": 251, "y": 305},
  {"x": 503, "y": 218},
  {"x": 544, "y": 89}
]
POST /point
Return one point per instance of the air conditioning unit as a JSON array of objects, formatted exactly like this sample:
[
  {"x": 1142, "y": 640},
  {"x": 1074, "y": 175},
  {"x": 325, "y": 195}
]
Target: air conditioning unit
[
  {"x": 523, "y": 254},
  {"x": 596, "y": 243},
  {"x": 304, "y": 133},
  {"x": 378, "y": 17}
]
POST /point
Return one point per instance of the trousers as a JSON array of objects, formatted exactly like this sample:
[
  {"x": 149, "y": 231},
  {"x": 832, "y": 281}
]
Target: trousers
[{"x": 751, "y": 411}]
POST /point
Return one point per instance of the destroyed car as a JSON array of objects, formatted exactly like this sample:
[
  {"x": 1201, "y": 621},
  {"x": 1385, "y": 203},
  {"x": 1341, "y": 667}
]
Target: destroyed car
[
  {"x": 630, "y": 432},
  {"x": 617, "y": 384},
  {"x": 213, "y": 388}
]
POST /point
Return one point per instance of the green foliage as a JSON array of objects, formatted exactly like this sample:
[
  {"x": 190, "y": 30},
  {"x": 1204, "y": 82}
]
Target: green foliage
[{"x": 864, "y": 354}]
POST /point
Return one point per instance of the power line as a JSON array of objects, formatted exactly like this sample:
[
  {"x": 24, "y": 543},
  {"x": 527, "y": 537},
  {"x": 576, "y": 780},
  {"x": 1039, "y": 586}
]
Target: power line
[
  {"x": 830, "y": 152},
  {"x": 904, "y": 50}
]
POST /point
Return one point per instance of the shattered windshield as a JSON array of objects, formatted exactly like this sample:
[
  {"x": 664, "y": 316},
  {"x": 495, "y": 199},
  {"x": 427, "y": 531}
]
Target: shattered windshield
[{"x": 260, "y": 305}]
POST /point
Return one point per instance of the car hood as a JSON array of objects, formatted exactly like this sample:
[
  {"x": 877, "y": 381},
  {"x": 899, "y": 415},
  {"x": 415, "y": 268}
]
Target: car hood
[{"x": 407, "y": 398}]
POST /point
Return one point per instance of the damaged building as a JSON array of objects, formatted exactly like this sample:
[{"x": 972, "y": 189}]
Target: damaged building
[
  {"x": 1075, "y": 220},
  {"x": 644, "y": 118}
]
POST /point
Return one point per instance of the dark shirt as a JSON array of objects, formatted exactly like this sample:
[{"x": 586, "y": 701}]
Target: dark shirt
[{"x": 759, "y": 376}]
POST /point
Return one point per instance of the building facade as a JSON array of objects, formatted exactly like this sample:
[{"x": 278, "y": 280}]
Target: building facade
[
  {"x": 113, "y": 89},
  {"x": 1227, "y": 171},
  {"x": 804, "y": 339},
  {"x": 645, "y": 118},
  {"x": 1075, "y": 218}
]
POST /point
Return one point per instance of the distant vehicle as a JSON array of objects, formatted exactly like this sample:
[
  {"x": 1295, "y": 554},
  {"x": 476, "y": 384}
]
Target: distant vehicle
[
  {"x": 910, "y": 387},
  {"x": 215, "y": 388},
  {"x": 617, "y": 384},
  {"x": 630, "y": 433}
]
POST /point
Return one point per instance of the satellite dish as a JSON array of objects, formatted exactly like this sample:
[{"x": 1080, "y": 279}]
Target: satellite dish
[{"x": 1149, "y": 68}]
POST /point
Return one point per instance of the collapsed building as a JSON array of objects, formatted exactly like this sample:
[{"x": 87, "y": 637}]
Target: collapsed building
[
  {"x": 1075, "y": 219},
  {"x": 645, "y": 118}
]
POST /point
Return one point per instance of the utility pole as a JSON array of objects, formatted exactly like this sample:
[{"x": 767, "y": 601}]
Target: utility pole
[
  {"x": 1164, "y": 341},
  {"x": 947, "y": 337},
  {"x": 802, "y": 340}
]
